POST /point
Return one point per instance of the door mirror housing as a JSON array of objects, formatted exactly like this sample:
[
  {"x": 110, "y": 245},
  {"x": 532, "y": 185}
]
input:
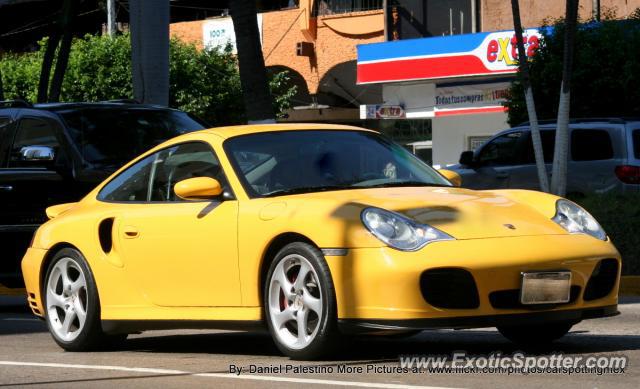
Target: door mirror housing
[
  {"x": 199, "y": 188},
  {"x": 466, "y": 158},
  {"x": 37, "y": 154},
  {"x": 452, "y": 176}
]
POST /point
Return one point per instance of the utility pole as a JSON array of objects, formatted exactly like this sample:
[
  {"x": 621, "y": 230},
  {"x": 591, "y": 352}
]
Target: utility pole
[
  {"x": 111, "y": 18},
  {"x": 150, "y": 50}
]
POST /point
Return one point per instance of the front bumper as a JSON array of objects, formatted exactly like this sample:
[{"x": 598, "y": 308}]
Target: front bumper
[
  {"x": 381, "y": 286},
  {"x": 355, "y": 326}
]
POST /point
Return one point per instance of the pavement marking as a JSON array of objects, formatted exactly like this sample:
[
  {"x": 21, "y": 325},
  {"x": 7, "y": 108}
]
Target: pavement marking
[{"x": 223, "y": 375}]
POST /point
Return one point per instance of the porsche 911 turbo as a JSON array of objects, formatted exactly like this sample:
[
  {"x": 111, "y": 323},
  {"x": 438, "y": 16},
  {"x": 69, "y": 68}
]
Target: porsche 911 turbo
[{"x": 315, "y": 232}]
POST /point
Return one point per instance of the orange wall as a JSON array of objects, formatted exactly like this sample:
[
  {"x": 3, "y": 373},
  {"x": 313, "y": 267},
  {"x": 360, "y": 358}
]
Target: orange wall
[
  {"x": 281, "y": 30},
  {"x": 190, "y": 32}
]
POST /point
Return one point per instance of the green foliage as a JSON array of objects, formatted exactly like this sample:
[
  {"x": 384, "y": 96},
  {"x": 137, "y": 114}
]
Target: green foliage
[
  {"x": 20, "y": 75},
  {"x": 619, "y": 215},
  {"x": 606, "y": 71},
  {"x": 204, "y": 83}
]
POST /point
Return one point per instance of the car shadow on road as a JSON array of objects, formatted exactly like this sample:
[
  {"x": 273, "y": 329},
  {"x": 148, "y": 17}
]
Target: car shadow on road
[{"x": 379, "y": 349}]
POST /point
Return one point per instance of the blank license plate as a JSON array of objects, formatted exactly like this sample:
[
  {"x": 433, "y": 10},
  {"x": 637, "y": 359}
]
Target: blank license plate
[{"x": 545, "y": 287}]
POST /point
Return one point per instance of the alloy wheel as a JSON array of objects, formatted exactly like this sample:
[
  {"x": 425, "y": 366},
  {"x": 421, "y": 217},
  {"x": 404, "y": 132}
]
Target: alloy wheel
[
  {"x": 295, "y": 301},
  {"x": 66, "y": 291}
]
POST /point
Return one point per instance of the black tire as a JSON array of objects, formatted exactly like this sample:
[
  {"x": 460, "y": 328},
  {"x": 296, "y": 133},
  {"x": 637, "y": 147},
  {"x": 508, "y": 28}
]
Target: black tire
[
  {"x": 536, "y": 335},
  {"x": 90, "y": 336},
  {"x": 326, "y": 337}
]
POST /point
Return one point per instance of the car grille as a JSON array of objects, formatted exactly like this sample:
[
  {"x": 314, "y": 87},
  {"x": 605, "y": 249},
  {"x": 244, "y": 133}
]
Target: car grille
[{"x": 450, "y": 288}]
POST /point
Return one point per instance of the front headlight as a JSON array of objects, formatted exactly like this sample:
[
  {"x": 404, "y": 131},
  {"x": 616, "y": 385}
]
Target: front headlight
[
  {"x": 576, "y": 220},
  {"x": 398, "y": 231}
]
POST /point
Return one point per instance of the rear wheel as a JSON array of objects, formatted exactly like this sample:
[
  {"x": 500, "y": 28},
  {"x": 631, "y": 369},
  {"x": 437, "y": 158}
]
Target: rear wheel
[
  {"x": 299, "y": 301},
  {"x": 72, "y": 307},
  {"x": 536, "y": 335}
]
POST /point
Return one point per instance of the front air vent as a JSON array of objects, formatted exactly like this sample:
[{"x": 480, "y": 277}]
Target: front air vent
[
  {"x": 602, "y": 280},
  {"x": 449, "y": 288},
  {"x": 105, "y": 234}
]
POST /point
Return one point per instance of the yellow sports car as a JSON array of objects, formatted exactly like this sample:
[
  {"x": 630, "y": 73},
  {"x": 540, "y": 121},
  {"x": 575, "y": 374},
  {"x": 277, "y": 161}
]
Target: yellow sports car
[{"x": 314, "y": 231}]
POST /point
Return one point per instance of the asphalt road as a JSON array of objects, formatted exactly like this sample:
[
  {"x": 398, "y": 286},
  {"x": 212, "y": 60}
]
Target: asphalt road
[{"x": 29, "y": 357}]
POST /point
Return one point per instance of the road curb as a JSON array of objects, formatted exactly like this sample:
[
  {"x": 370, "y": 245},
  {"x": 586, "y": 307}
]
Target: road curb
[{"x": 629, "y": 286}]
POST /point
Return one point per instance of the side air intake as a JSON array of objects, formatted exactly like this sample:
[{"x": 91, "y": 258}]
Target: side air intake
[{"x": 105, "y": 234}]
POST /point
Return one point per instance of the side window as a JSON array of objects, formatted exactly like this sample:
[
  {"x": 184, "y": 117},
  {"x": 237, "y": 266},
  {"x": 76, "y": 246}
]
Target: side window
[
  {"x": 153, "y": 178},
  {"x": 32, "y": 132},
  {"x": 132, "y": 184},
  {"x": 548, "y": 144},
  {"x": 548, "y": 138},
  {"x": 502, "y": 151},
  {"x": 189, "y": 160},
  {"x": 4, "y": 135},
  {"x": 591, "y": 145}
]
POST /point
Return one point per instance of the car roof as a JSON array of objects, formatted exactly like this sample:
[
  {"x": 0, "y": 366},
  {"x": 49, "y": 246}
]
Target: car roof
[
  {"x": 107, "y": 104},
  {"x": 55, "y": 107},
  {"x": 232, "y": 131},
  {"x": 611, "y": 120}
]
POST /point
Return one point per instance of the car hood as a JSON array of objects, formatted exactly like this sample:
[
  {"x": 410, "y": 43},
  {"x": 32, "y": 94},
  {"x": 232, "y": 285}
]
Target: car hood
[{"x": 461, "y": 213}]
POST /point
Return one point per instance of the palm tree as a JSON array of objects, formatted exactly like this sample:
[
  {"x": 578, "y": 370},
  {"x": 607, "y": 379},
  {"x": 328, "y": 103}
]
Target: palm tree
[
  {"x": 47, "y": 63},
  {"x": 560, "y": 155},
  {"x": 49, "y": 88},
  {"x": 253, "y": 75},
  {"x": 528, "y": 97},
  {"x": 69, "y": 11}
]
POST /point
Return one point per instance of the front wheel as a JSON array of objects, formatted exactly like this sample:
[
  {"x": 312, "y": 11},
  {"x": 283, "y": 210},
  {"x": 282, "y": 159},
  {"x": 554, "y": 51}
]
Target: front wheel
[
  {"x": 536, "y": 335},
  {"x": 299, "y": 301}
]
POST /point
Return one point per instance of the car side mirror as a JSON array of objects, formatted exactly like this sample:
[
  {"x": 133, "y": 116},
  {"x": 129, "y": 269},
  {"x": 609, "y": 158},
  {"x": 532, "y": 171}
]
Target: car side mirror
[
  {"x": 37, "y": 154},
  {"x": 466, "y": 158},
  {"x": 199, "y": 188},
  {"x": 452, "y": 176}
]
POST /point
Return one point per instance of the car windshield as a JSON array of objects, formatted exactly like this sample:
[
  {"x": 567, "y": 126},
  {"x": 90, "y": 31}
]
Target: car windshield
[
  {"x": 109, "y": 137},
  {"x": 289, "y": 162}
]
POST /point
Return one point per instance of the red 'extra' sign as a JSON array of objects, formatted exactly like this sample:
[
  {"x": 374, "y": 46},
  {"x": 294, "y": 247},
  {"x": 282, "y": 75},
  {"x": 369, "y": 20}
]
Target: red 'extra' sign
[{"x": 505, "y": 49}]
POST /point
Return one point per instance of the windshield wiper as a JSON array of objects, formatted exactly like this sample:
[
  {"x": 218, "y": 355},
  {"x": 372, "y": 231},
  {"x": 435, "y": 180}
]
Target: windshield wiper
[
  {"x": 403, "y": 183},
  {"x": 305, "y": 189}
]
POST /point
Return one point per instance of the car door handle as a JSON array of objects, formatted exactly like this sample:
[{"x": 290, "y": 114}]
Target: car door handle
[
  {"x": 130, "y": 232},
  {"x": 6, "y": 188}
]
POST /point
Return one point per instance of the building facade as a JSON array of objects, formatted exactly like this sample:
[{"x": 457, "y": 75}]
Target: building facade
[
  {"x": 418, "y": 70},
  {"x": 452, "y": 62}
]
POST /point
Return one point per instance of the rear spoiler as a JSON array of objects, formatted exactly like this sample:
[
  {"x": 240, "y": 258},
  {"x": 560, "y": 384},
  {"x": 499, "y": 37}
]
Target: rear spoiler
[{"x": 57, "y": 210}]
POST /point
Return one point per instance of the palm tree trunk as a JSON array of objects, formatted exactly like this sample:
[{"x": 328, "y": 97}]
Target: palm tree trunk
[
  {"x": 528, "y": 97},
  {"x": 47, "y": 62},
  {"x": 253, "y": 75},
  {"x": 69, "y": 10},
  {"x": 561, "y": 152}
]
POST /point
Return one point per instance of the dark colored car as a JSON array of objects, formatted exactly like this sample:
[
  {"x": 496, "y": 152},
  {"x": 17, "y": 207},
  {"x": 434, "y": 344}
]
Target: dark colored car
[{"x": 56, "y": 153}]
